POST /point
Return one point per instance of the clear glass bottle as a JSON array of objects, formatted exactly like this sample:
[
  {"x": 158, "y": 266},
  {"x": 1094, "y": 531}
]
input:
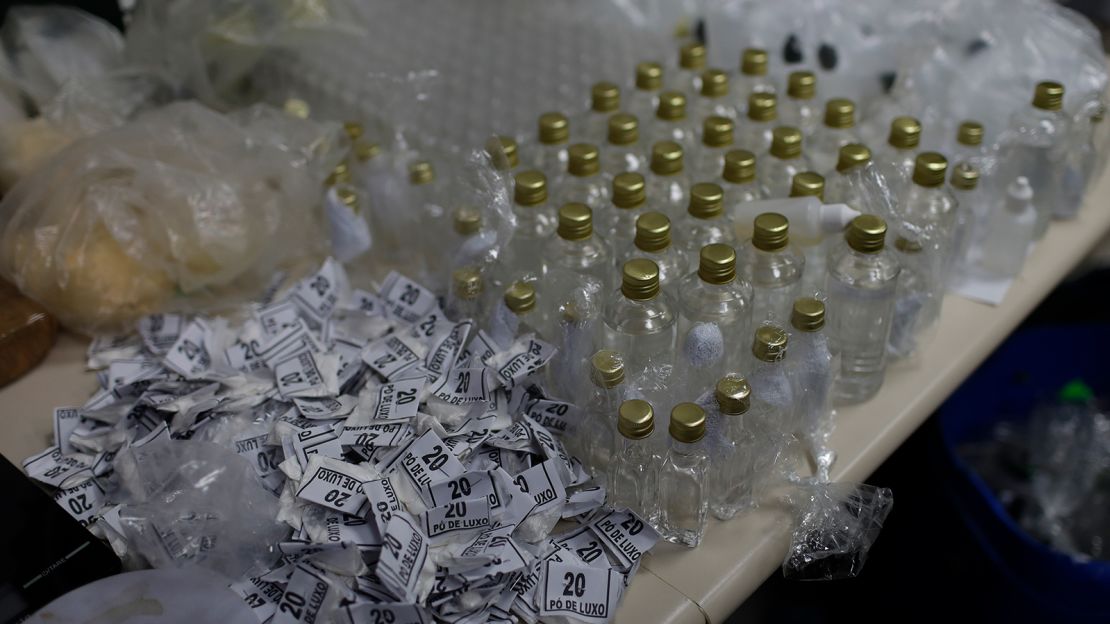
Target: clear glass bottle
[
  {"x": 927, "y": 210},
  {"x": 464, "y": 299},
  {"x": 739, "y": 184},
  {"x": 713, "y": 100},
  {"x": 772, "y": 412},
  {"x": 1010, "y": 230},
  {"x": 640, "y": 319},
  {"x": 503, "y": 153},
  {"x": 730, "y": 449},
  {"x": 752, "y": 78},
  {"x": 534, "y": 225},
  {"x": 715, "y": 317},
  {"x": 623, "y": 151},
  {"x": 838, "y": 130},
  {"x": 593, "y": 125},
  {"x": 594, "y": 436},
  {"x": 427, "y": 197},
  {"x": 800, "y": 107},
  {"x": 671, "y": 123},
  {"x": 863, "y": 281},
  {"x": 667, "y": 181},
  {"x": 810, "y": 184},
  {"x": 776, "y": 175},
  {"x": 844, "y": 185},
  {"x": 896, "y": 160},
  {"x": 469, "y": 242},
  {"x": 575, "y": 258},
  {"x": 970, "y": 216},
  {"x": 1078, "y": 165},
  {"x": 812, "y": 369},
  {"x": 516, "y": 314},
  {"x": 634, "y": 465},
  {"x": 969, "y": 145},
  {"x": 629, "y": 202},
  {"x": 645, "y": 96},
  {"x": 683, "y": 476},
  {"x": 582, "y": 181},
  {"x": 756, "y": 133},
  {"x": 550, "y": 155},
  {"x": 918, "y": 298},
  {"x": 704, "y": 222},
  {"x": 691, "y": 63},
  {"x": 773, "y": 266},
  {"x": 716, "y": 141},
  {"x": 653, "y": 241},
  {"x": 1036, "y": 147}
]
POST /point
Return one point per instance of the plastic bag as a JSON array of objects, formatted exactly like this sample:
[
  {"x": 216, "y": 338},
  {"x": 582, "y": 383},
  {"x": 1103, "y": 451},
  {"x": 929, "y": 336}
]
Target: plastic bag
[
  {"x": 181, "y": 209},
  {"x": 835, "y": 525}
]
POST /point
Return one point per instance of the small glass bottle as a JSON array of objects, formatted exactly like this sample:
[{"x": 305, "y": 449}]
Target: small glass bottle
[
  {"x": 648, "y": 85},
  {"x": 594, "y": 436},
  {"x": 469, "y": 242},
  {"x": 752, "y": 78},
  {"x": 629, "y": 202},
  {"x": 773, "y": 266},
  {"x": 863, "y": 281},
  {"x": 575, "y": 258},
  {"x": 730, "y": 470},
  {"x": 653, "y": 241},
  {"x": 1037, "y": 143},
  {"x": 502, "y": 152},
  {"x": 927, "y": 210},
  {"x": 738, "y": 183},
  {"x": 969, "y": 145},
  {"x": 1079, "y": 164},
  {"x": 715, "y": 315},
  {"x": 895, "y": 162},
  {"x": 756, "y": 134},
  {"x": 640, "y": 320},
  {"x": 427, "y": 200},
  {"x": 812, "y": 365},
  {"x": 583, "y": 181},
  {"x": 970, "y": 216},
  {"x": 633, "y": 468},
  {"x": 918, "y": 298},
  {"x": 770, "y": 379},
  {"x": 534, "y": 225},
  {"x": 367, "y": 167},
  {"x": 1010, "y": 230},
  {"x": 810, "y": 184},
  {"x": 838, "y": 130},
  {"x": 516, "y": 315},
  {"x": 550, "y": 157},
  {"x": 464, "y": 300},
  {"x": 843, "y": 186},
  {"x": 800, "y": 107},
  {"x": 691, "y": 64},
  {"x": 683, "y": 476},
  {"x": 671, "y": 123},
  {"x": 776, "y": 175},
  {"x": 667, "y": 181},
  {"x": 623, "y": 151},
  {"x": 713, "y": 99},
  {"x": 716, "y": 141},
  {"x": 605, "y": 99},
  {"x": 705, "y": 221}
]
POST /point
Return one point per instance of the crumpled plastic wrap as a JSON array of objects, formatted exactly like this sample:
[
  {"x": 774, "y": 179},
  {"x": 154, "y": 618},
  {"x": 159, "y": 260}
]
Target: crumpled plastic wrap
[{"x": 835, "y": 525}]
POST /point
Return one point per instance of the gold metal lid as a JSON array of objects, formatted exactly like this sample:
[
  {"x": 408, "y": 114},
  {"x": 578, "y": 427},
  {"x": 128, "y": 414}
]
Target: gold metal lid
[
  {"x": 421, "y": 172},
  {"x": 706, "y": 200},
  {"x": 691, "y": 56},
  {"x": 905, "y": 133},
  {"x": 965, "y": 176},
  {"x": 666, "y": 158},
  {"x": 801, "y": 85},
  {"x": 714, "y": 83},
  {"x": 365, "y": 150},
  {"x": 653, "y": 232},
  {"x": 672, "y": 106},
  {"x": 520, "y": 297},
  {"x": 866, "y": 233},
  {"x": 502, "y": 151},
  {"x": 296, "y": 107},
  {"x": 583, "y": 160},
  {"x": 762, "y": 106},
  {"x": 786, "y": 142},
  {"x": 348, "y": 196},
  {"x": 687, "y": 422},
  {"x": 353, "y": 130},
  {"x": 739, "y": 166},
  {"x": 576, "y": 222},
  {"x": 771, "y": 231},
  {"x": 467, "y": 220},
  {"x": 554, "y": 128},
  {"x": 929, "y": 169},
  {"x": 635, "y": 419},
  {"x": 624, "y": 129},
  {"x": 529, "y": 188},
  {"x": 640, "y": 279},
  {"x": 852, "y": 155},
  {"x": 840, "y": 113},
  {"x": 808, "y": 184},
  {"x": 733, "y": 395},
  {"x": 908, "y": 246},
  {"x": 467, "y": 282},
  {"x": 649, "y": 76},
  {"x": 607, "y": 368},
  {"x": 717, "y": 264},
  {"x": 808, "y": 314},
  {"x": 753, "y": 62},
  {"x": 628, "y": 190},
  {"x": 769, "y": 344},
  {"x": 340, "y": 175},
  {"x": 1049, "y": 95},
  {"x": 716, "y": 131},
  {"x": 605, "y": 97},
  {"x": 970, "y": 133}
]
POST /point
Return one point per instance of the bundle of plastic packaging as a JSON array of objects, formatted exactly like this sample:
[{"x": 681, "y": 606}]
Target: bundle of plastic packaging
[{"x": 835, "y": 525}]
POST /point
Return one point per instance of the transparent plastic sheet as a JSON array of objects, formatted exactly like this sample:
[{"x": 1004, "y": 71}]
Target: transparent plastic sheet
[
  {"x": 835, "y": 525},
  {"x": 181, "y": 210}
]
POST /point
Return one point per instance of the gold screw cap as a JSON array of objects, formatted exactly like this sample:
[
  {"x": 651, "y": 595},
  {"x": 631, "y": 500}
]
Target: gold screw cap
[
  {"x": 635, "y": 419},
  {"x": 716, "y": 131},
  {"x": 421, "y": 172},
  {"x": 786, "y": 142},
  {"x": 739, "y": 166},
  {"x": 554, "y": 128},
  {"x": 348, "y": 197},
  {"x": 929, "y": 169},
  {"x": 965, "y": 177},
  {"x": 468, "y": 282},
  {"x": 520, "y": 297},
  {"x": 365, "y": 150},
  {"x": 640, "y": 279},
  {"x": 753, "y": 62},
  {"x": 583, "y": 160},
  {"x": 714, "y": 83},
  {"x": 666, "y": 158},
  {"x": 852, "y": 155},
  {"x": 687, "y": 422},
  {"x": 607, "y": 368},
  {"x": 605, "y": 97},
  {"x": 706, "y": 200},
  {"x": 970, "y": 133},
  {"x": 529, "y": 188},
  {"x": 575, "y": 222},
  {"x": 840, "y": 113},
  {"x": 717, "y": 264},
  {"x": 762, "y": 107},
  {"x": 692, "y": 56},
  {"x": 624, "y": 129},
  {"x": 353, "y": 130},
  {"x": 628, "y": 190},
  {"x": 769, "y": 344},
  {"x": 905, "y": 133},
  {"x": 733, "y": 395},
  {"x": 672, "y": 106},
  {"x": 808, "y": 184},
  {"x": 866, "y": 233},
  {"x": 1049, "y": 96},
  {"x": 808, "y": 314},
  {"x": 467, "y": 220},
  {"x": 653, "y": 232},
  {"x": 801, "y": 85},
  {"x": 649, "y": 76},
  {"x": 771, "y": 231}
]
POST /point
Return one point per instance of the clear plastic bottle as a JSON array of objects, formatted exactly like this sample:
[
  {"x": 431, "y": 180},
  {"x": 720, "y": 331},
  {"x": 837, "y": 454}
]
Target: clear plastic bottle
[
  {"x": 516, "y": 314},
  {"x": 645, "y": 96},
  {"x": 896, "y": 160},
  {"x": 683, "y": 475},
  {"x": 594, "y": 436},
  {"x": 917, "y": 304},
  {"x": 1009, "y": 231},
  {"x": 691, "y": 63},
  {"x": 715, "y": 316},
  {"x": 653, "y": 241},
  {"x": 838, "y": 130},
  {"x": 752, "y": 78},
  {"x": 773, "y": 266},
  {"x": 667, "y": 181},
  {"x": 583, "y": 181},
  {"x": 623, "y": 151},
  {"x": 810, "y": 184},
  {"x": 575, "y": 258},
  {"x": 772, "y": 411},
  {"x": 535, "y": 224},
  {"x": 756, "y": 133},
  {"x": 634, "y": 465},
  {"x": 969, "y": 145},
  {"x": 970, "y": 216},
  {"x": 629, "y": 202},
  {"x": 550, "y": 155},
  {"x": 464, "y": 299},
  {"x": 730, "y": 449},
  {"x": 843, "y": 186},
  {"x": 640, "y": 320},
  {"x": 738, "y": 183},
  {"x": 716, "y": 141},
  {"x": 776, "y": 174},
  {"x": 1036, "y": 148},
  {"x": 927, "y": 210},
  {"x": 713, "y": 100},
  {"x": 469, "y": 242},
  {"x": 704, "y": 222},
  {"x": 863, "y": 281},
  {"x": 671, "y": 123},
  {"x": 800, "y": 107},
  {"x": 812, "y": 365},
  {"x": 593, "y": 125}
]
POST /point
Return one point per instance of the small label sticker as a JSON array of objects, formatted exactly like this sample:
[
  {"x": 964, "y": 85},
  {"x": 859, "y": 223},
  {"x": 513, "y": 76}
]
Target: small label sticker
[
  {"x": 426, "y": 460},
  {"x": 525, "y": 357},
  {"x": 383, "y": 501},
  {"x": 325, "y": 408},
  {"x": 461, "y": 516},
  {"x": 376, "y": 434},
  {"x": 367, "y": 303},
  {"x": 625, "y": 535},
  {"x": 82, "y": 501},
  {"x": 586, "y": 545},
  {"x": 307, "y": 375},
  {"x": 442, "y": 356},
  {"x": 54, "y": 469},
  {"x": 160, "y": 331},
  {"x": 463, "y": 386},
  {"x": 464, "y": 486},
  {"x": 265, "y": 459},
  {"x": 583, "y": 592},
  {"x": 261, "y": 596},
  {"x": 397, "y": 400},
  {"x": 317, "y": 295},
  {"x": 542, "y": 484},
  {"x": 392, "y": 355},
  {"x": 478, "y": 352},
  {"x": 335, "y": 484},
  {"x": 386, "y": 613},
  {"x": 404, "y": 552},
  {"x": 188, "y": 356},
  {"x": 66, "y": 419},
  {"x": 555, "y": 416},
  {"x": 404, "y": 299},
  {"x": 303, "y": 596},
  {"x": 276, "y": 317}
]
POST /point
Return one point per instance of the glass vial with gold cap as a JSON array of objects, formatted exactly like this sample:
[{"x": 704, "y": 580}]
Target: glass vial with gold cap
[
  {"x": 671, "y": 122},
  {"x": 687, "y": 77},
  {"x": 644, "y": 97},
  {"x": 810, "y": 240},
  {"x": 576, "y": 258},
  {"x": 730, "y": 448},
  {"x": 465, "y": 296},
  {"x": 427, "y": 202},
  {"x": 582, "y": 182},
  {"x": 715, "y": 317},
  {"x": 713, "y": 99},
  {"x": 502, "y": 152},
  {"x": 705, "y": 221},
  {"x": 854, "y": 182},
  {"x": 800, "y": 108},
  {"x": 837, "y": 129},
  {"x": 773, "y": 266},
  {"x": 653, "y": 241},
  {"x": 969, "y": 146},
  {"x": 918, "y": 298},
  {"x": 470, "y": 242},
  {"x": 347, "y": 224},
  {"x": 752, "y": 78},
  {"x": 738, "y": 181},
  {"x": 755, "y": 131},
  {"x": 927, "y": 210},
  {"x": 592, "y": 126},
  {"x": 549, "y": 155},
  {"x": 667, "y": 181},
  {"x": 716, "y": 141},
  {"x": 516, "y": 314},
  {"x": 963, "y": 182},
  {"x": 629, "y": 199},
  {"x": 1009, "y": 231},
  {"x": 623, "y": 149},
  {"x": 683, "y": 491},
  {"x": 812, "y": 368},
  {"x": 634, "y": 465},
  {"x": 862, "y": 284},
  {"x": 1037, "y": 140},
  {"x": 783, "y": 161},
  {"x": 640, "y": 320},
  {"x": 773, "y": 392},
  {"x": 895, "y": 161},
  {"x": 535, "y": 224},
  {"x": 597, "y": 426}
]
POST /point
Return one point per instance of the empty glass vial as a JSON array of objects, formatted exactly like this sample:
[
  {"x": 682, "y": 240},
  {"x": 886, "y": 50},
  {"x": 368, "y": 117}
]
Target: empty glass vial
[
  {"x": 730, "y": 449},
  {"x": 970, "y": 216},
  {"x": 773, "y": 407},
  {"x": 917, "y": 304},
  {"x": 773, "y": 266},
  {"x": 534, "y": 225},
  {"x": 755, "y": 133},
  {"x": 427, "y": 195},
  {"x": 583, "y": 181},
  {"x": 634, "y": 465},
  {"x": 1009, "y": 231},
  {"x": 648, "y": 85},
  {"x": 715, "y": 315},
  {"x": 811, "y": 363},
  {"x": 653, "y": 241},
  {"x": 716, "y": 141},
  {"x": 667, "y": 180},
  {"x": 594, "y": 436},
  {"x": 838, "y": 130},
  {"x": 713, "y": 100},
  {"x": 800, "y": 108},
  {"x": 896, "y": 160},
  {"x": 705, "y": 221},
  {"x": 464, "y": 299},
  {"x": 629, "y": 202},
  {"x": 810, "y": 184},
  {"x": 516, "y": 315},
  {"x": 738, "y": 182},
  {"x": 862, "y": 284},
  {"x": 691, "y": 64},
  {"x": 593, "y": 125},
  {"x": 671, "y": 123},
  {"x": 969, "y": 146},
  {"x": 683, "y": 476},
  {"x": 640, "y": 320},
  {"x": 844, "y": 186},
  {"x": 752, "y": 78},
  {"x": 1036, "y": 149},
  {"x": 575, "y": 258},
  {"x": 550, "y": 156},
  {"x": 928, "y": 210},
  {"x": 785, "y": 159},
  {"x": 624, "y": 151},
  {"x": 469, "y": 242}
]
